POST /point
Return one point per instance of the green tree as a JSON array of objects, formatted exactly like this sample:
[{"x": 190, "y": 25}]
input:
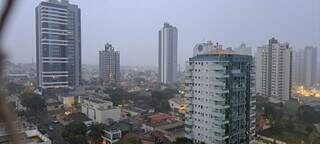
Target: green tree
[
  {"x": 117, "y": 95},
  {"x": 290, "y": 126},
  {"x": 308, "y": 114},
  {"x": 164, "y": 107},
  {"x": 277, "y": 126},
  {"x": 75, "y": 133},
  {"x": 95, "y": 132},
  {"x": 33, "y": 102},
  {"x": 309, "y": 129}
]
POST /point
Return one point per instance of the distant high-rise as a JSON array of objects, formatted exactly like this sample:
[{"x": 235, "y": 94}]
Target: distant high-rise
[
  {"x": 167, "y": 59},
  {"x": 244, "y": 50},
  {"x": 220, "y": 92},
  {"x": 274, "y": 70},
  {"x": 58, "y": 41},
  {"x": 109, "y": 64},
  {"x": 305, "y": 66},
  {"x": 298, "y": 66},
  {"x": 310, "y": 63}
]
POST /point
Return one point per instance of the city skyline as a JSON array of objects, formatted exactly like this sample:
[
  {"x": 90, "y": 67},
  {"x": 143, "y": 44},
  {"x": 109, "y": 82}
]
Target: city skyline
[
  {"x": 189, "y": 72},
  {"x": 236, "y": 19}
]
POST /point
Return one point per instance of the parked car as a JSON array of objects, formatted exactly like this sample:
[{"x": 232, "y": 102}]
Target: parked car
[
  {"x": 51, "y": 128},
  {"x": 55, "y": 121}
]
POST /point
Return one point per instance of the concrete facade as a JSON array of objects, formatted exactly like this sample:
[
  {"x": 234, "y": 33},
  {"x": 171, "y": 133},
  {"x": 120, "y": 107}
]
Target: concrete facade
[
  {"x": 167, "y": 59},
  {"x": 220, "y": 94},
  {"x": 274, "y": 70}
]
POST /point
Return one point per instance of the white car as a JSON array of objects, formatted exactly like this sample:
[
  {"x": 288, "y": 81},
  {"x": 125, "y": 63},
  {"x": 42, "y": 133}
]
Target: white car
[{"x": 51, "y": 128}]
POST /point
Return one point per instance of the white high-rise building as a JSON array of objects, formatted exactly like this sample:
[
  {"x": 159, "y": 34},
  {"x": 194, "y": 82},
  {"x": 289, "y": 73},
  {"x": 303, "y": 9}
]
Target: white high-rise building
[
  {"x": 310, "y": 63},
  {"x": 274, "y": 70},
  {"x": 220, "y": 93},
  {"x": 167, "y": 59}
]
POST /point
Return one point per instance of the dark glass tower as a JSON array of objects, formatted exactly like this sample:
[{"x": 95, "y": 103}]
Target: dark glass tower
[{"x": 58, "y": 35}]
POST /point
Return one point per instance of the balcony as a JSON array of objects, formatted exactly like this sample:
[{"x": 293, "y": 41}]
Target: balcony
[
  {"x": 187, "y": 88},
  {"x": 188, "y": 121},
  {"x": 221, "y": 91},
  {"x": 221, "y": 122},
  {"x": 190, "y": 107},
  {"x": 188, "y": 80},
  {"x": 219, "y": 98},
  {"x": 220, "y": 75},
  {"x": 217, "y": 130},
  {"x": 217, "y": 105},
  {"x": 219, "y": 83},
  {"x": 218, "y": 68}
]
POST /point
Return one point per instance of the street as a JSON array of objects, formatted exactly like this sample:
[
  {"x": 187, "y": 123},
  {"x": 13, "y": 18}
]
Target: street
[{"x": 54, "y": 133}]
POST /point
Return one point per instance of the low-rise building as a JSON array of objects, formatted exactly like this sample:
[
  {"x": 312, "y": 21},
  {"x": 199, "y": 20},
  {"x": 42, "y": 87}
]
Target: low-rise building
[
  {"x": 132, "y": 110},
  {"x": 99, "y": 110},
  {"x": 160, "y": 121},
  {"x": 25, "y": 134},
  {"x": 53, "y": 105},
  {"x": 67, "y": 100},
  {"x": 178, "y": 104}
]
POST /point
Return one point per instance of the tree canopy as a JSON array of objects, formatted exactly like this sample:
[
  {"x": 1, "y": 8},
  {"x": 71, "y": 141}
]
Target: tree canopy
[
  {"x": 95, "y": 133},
  {"x": 308, "y": 114},
  {"x": 32, "y": 102},
  {"x": 75, "y": 133}
]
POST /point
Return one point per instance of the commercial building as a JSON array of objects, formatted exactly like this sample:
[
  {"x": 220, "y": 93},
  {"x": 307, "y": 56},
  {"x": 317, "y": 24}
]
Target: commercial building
[
  {"x": 100, "y": 111},
  {"x": 58, "y": 41},
  {"x": 220, "y": 92},
  {"x": 167, "y": 59},
  {"x": 109, "y": 64},
  {"x": 305, "y": 66},
  {"x": 274, "y": 70}
]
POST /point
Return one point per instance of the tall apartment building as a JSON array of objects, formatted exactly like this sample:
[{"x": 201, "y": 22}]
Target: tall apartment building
[
  {"x": 109, "y": 64},
  {"x": 221, "y": 103},
  {"x": 297, "y": 66},
  {"x": 58, "y": 41},
  {"x": 305, "y": 66},
  {"x": 243, "y": 49},
  {"x": 310, "y": 63},
  {"x": 274, "y": 70},
  {"x": 167, "y": 59}
]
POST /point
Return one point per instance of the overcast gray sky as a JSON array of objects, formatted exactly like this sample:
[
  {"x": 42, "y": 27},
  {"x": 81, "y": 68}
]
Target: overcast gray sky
[{"x": 132, "y": 26}]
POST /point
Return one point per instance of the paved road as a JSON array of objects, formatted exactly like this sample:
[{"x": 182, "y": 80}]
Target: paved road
[{"x": 55, "y": 134}]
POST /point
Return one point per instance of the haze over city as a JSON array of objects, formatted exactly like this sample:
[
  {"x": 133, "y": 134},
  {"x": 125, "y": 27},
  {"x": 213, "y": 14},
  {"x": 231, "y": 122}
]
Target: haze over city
[
  {"x": 132, "y": 26},
  {"x": 160, "y": 72}
]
